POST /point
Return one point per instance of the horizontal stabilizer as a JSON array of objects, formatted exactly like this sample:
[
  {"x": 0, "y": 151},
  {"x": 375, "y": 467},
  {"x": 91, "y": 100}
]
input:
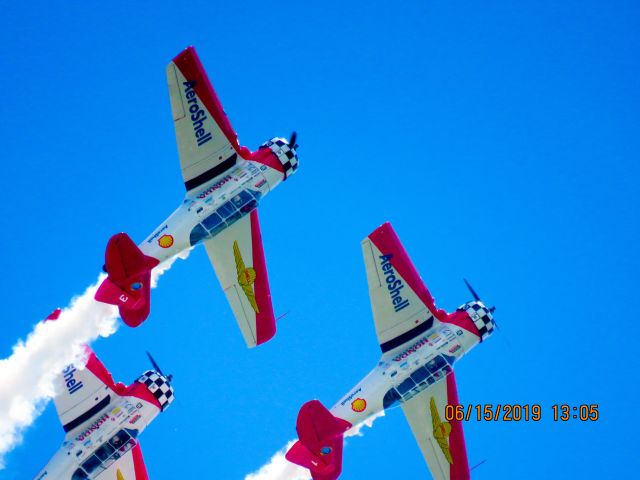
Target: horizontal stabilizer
[
  {"x": 321, "y": 440},
  {"x": 128, "y": 284},
  {"x": 316, "y": 423},
  {"x": 301, "y": 455}
]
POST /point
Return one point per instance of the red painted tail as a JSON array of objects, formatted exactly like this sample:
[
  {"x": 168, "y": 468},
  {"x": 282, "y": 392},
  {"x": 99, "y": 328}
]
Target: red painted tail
[
  {"x": 321, "y": 438},
  {"x": 128, "y": 284}
]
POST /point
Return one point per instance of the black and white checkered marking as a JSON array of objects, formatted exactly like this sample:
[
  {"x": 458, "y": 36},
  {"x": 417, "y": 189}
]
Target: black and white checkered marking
[
  {"x": 158, "y": 386},
  {"x": 481, "y": 317},
  {"x": 285, "y": 153}
]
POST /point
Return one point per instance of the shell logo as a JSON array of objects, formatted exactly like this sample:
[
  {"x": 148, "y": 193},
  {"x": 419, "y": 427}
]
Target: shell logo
[
  {"x": 359, "y": 405},
  {"x": 165, "y": 241}
]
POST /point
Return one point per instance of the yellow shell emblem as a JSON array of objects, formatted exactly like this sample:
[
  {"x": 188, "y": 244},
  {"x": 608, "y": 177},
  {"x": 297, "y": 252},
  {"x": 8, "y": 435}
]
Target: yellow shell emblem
[
  {"x": 441, "y": 431},
  {"x": 165, "y": 241},
  {"x": 246, "y": 277},
  {"x": 359, "y": 405}
]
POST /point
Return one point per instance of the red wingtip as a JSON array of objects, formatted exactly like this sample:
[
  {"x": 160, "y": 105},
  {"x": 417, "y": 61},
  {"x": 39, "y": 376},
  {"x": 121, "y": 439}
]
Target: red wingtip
[
  {"x": 190, "y": 50},
  {"x": 385, "y": 229},
  {"x": 54, "y": 315}
]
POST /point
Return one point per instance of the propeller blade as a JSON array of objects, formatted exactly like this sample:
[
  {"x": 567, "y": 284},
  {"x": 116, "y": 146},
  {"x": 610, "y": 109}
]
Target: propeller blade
[
  {"x": 476, "y": 297},
  {"x": 292, "y": 139},
  {"x": 156, "y": 367}
]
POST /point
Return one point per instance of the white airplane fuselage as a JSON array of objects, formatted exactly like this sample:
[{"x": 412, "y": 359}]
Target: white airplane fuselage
[
  {"x": 231, "y": 196},
  {"x": 127, "y": 414},
  {"x": 405, "y": 371}
]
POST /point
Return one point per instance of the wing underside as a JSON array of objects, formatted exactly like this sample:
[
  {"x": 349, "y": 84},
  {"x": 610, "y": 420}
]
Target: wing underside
[
  {"x": 207, "y": 143},
  {"x": 441, "y": 442},
  {"x": 81, "y": 392},
  {"x": 237, "y": 256},
  {"x": 402, "y": 306}
]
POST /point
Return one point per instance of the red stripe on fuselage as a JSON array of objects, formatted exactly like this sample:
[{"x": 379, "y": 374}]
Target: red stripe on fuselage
[
  {"x": 386, "y": 240},
  {"x": 265, "y": 156},
  {"x": 462, "y": 320},
  {"x": 265, "y": 320}
]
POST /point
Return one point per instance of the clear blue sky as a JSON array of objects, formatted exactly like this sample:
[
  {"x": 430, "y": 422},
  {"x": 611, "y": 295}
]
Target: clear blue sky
[{"x": 500, "y": 140}]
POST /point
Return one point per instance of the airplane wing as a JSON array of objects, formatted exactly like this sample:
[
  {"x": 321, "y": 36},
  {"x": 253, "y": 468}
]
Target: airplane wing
[
  {"x": 129, "y": 466},
  {"x": 441, "y": 441},
  {"x": 402, "y": 306},
  {"x": 237, "y": 256},
  {"x": 81, "y": 393},
  {"x": 207, "y": 143}
]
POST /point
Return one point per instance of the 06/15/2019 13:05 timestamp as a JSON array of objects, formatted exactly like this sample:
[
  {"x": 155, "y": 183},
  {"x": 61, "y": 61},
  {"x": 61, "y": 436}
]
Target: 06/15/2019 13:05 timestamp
[{"x": 520, "y": 412}]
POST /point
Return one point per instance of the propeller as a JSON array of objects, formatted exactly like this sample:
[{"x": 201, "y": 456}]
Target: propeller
[
  {"x": 476, "y": 297},
  {"x": 292, "y": 140},
  {"x": 156, "y": 367}
]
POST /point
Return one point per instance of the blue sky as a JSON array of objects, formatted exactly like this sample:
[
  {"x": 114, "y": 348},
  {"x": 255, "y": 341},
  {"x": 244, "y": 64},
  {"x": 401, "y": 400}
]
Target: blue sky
[{"x": 500, "y": 140}]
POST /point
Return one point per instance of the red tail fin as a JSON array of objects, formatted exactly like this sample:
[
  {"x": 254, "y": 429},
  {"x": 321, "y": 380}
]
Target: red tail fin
[
  {"x": 320, "y": 446},
  {"x": 128, "y": 284}
]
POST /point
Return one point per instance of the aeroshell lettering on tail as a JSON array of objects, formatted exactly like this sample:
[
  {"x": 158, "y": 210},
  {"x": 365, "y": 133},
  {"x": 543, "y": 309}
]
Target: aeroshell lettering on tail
[
  {"x": 394, "y": 283},
  {"x": 198, "y": 114},
  {"x": 70, "y": 382}
]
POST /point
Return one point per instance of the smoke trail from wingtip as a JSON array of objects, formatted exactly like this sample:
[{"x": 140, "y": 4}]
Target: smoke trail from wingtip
[
  {"x": 279, "y": 468},
  {"x": 27, "y": 375}
]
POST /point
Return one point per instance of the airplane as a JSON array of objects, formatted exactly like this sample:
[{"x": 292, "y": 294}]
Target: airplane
[
  {"x": 419, "y": 343},
  {"x": 225, "y": 182},
  {"x": 102, "y": 420}
]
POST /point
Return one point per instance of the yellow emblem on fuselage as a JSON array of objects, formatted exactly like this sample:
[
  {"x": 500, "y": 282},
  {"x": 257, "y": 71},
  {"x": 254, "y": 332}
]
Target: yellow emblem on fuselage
[
  {"x": 246, "y": 277},
  {"x": 441, "y": 431},
  {"x": 119, "y": 475}
]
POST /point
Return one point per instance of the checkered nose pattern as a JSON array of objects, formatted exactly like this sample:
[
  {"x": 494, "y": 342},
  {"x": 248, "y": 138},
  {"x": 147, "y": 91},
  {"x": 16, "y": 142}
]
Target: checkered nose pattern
[
  {"x": 481, "y": 317},
  {"x": 285, "y": 153},
  {"x": 159, "y": 386}
]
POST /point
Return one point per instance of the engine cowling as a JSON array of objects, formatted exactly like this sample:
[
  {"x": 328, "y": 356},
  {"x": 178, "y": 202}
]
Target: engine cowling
[
  {"x": 481, "y": 317},
  {"x": 286, "y": 154},
  {"x": 159, "y": 387}
]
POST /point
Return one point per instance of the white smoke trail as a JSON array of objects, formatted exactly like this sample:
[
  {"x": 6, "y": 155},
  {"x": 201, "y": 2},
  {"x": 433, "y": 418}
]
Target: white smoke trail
[
  {"x": 279, "y": 468},
  {"x": 27, "y": 375}
]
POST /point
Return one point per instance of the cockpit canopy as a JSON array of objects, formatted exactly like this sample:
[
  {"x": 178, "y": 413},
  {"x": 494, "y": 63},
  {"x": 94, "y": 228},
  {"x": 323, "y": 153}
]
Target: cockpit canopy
[
  {"x": 225, "y": 215},
  {"x": 431, "y": 372},
  {"x": 106, "y": 454}
]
